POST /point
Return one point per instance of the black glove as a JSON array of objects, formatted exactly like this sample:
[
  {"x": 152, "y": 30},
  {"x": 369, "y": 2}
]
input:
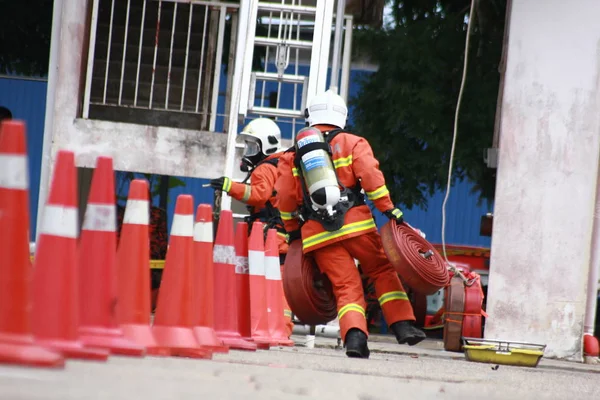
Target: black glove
[
  {"x": 223, "y": 183},
  {"x": 293, "y": 235},
  {"x": 395, "y": 215}
]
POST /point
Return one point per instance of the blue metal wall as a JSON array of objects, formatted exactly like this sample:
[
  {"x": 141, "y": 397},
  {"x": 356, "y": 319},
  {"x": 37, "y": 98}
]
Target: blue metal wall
[{"x": 26, "y": 99}]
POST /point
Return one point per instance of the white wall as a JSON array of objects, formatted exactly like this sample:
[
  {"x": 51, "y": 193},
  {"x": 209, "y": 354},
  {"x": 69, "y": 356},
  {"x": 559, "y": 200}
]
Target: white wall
[{"x": 548, "y": 163}]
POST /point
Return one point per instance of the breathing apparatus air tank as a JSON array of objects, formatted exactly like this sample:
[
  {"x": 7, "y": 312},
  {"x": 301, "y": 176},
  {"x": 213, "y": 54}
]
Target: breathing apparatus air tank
[{"x": 317, "y": 170}]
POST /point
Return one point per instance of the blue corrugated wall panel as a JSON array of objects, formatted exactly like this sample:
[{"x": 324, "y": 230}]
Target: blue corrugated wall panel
[
  {"x": 463, "y": 216},
  {"x": 192, "y": 186},
  {"x": 26, "y": 99}
]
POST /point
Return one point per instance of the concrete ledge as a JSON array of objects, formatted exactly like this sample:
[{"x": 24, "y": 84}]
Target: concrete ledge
[{"x": 143, "y": 148}]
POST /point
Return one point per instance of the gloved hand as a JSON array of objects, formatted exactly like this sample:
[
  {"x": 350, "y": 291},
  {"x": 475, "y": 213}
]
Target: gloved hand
[
  {"x": 223, "y": 183},
  {"x": 294, "y": 235},
  {"x": 395, "y": 215}
]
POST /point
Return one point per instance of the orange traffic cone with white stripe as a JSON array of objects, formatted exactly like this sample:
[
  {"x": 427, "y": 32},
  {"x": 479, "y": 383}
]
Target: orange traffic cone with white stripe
[
  {"x": 274, "y": 289},
  {"x": 133, "y": 275},
  {"x": 259, "y": 324},
  {"x": 16, "y": 339},
  {"x": 243, "y": 283},
  {"x": 226, "y": 305},
  {"x": 204, "y": 281},
  {"x": 55, "y": 272},
  {"x": 97, "y": 261},
  {"x": 173, "y": 320}
]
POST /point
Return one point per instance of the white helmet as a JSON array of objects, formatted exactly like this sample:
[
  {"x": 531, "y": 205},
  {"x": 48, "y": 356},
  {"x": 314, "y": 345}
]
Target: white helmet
[
  {"x": 327, "y": 108},
  {"x": 265, "y": 132}
]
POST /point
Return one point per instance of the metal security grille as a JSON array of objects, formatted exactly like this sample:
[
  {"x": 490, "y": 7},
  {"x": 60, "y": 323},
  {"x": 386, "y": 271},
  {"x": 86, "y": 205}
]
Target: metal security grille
[{"x": 159, "y": 55}]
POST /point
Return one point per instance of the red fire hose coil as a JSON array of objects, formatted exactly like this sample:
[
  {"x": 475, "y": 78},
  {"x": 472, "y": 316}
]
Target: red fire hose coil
[
  {"x": 417, "y": 262},
  {"x": 308, "y": 292}
]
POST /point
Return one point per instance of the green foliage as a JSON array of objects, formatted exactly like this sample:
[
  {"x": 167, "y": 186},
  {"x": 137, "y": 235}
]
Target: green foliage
[
  {"x": 153, "y": 181},
  {"x": 406, "y": 109},
  {"x": 25, "y": 29}
]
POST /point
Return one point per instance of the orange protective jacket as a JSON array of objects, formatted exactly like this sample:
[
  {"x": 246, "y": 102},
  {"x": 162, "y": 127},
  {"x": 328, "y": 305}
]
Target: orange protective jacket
[
  {"x": 259, "y": 191},
  {"x": 354, "y": 161}
]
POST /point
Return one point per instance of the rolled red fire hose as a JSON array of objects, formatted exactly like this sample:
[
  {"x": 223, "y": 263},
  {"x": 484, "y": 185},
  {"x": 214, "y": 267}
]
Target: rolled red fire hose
[
  {"x": 454, "y": 303},
  {"x": 417, "y": 262},
  {"x": 463, "y": 314},
  {"x": 307, "y": 290}
]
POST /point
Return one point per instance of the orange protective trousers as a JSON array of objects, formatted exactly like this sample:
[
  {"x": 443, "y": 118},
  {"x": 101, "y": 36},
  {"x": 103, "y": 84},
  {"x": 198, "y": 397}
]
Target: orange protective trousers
[{"x": 337, "y": 262}]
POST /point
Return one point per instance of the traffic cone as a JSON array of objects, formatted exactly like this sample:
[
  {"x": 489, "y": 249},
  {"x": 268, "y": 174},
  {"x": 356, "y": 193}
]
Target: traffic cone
[
  {"x": 55, "y": 272},
  {"x": 243, "y": 283},
  {"x": 133, "y": 274},
  {"x": 97, "y": 274},
  {"x": 16, "y": 339},
  {"x": 173, "y": 320},
  {"x": 204, "y": 281},
  {"x": 259, "y": 325},
  {"x": 226, "y": 306},
  {"x": 274, "y": 290}
]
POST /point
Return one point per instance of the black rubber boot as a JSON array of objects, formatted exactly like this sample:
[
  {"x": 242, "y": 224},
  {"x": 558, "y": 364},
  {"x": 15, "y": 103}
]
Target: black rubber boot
[
  {"x": 356, "y": 344},
  {"x": 407, "y": 333}
]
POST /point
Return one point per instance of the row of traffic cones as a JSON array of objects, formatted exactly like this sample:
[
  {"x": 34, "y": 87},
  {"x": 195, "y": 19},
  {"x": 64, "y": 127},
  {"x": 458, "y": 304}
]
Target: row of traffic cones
[{"x": 86, "y": 298}]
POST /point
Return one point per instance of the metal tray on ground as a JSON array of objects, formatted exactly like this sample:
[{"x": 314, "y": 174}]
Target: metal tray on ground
[{"x": 503, "y": 352}]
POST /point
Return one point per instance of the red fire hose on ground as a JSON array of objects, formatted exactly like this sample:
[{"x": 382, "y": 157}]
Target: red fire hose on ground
[{"x": 307, "y": 290}]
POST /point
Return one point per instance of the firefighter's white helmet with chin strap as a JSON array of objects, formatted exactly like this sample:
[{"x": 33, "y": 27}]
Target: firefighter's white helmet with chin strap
[
  {"x": 262, "y": 131},
  {"x": 327, "y": 108}
]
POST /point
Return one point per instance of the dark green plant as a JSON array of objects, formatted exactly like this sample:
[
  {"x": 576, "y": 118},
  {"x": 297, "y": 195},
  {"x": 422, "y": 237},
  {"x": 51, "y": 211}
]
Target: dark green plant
[
  {"x": 406, "y": 109},
  {"x": 156, "y": 184},
  {"x": 25, "y": 30}
]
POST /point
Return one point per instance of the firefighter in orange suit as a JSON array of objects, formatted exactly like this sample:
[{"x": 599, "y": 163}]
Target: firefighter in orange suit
[
  {"x": 262, "y": 149},
  {"x": 351, "y": 233}
]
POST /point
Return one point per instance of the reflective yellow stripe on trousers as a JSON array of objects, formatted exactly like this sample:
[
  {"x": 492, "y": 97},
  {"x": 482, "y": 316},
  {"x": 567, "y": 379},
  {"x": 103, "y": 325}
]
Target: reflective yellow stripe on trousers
[
  {"x": 389, "y": 296},
  {"x": 351, "y": 307},
  {"x": 344, "y": 230}
]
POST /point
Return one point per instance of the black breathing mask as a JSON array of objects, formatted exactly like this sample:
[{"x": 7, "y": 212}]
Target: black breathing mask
[{"x": 252, "y": 156}]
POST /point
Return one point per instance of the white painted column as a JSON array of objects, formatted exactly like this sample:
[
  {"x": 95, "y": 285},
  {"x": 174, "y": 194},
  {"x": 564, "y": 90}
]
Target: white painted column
[
  {"x": 548, "y": 165},
  {"x": 69, "y": 32}
]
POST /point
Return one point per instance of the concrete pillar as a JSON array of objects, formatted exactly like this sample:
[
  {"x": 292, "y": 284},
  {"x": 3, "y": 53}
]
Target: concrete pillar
[
  {"x": 548, "y": 163},
  {"x": 65, "y": 81}
]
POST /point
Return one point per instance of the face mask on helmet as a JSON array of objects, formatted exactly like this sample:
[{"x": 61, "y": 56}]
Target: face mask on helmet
[
  {"x": 252, "y": 155},
  {"x": 251, "y": 148}
]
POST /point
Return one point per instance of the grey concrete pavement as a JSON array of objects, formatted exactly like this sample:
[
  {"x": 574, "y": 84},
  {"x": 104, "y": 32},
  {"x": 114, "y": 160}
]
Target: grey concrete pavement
[{"x": 392, "y": 372}]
